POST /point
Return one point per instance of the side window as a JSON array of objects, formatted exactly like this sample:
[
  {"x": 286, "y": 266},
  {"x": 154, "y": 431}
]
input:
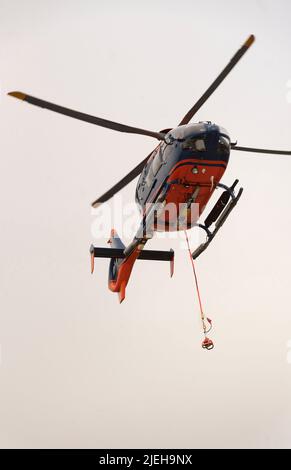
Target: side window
[
  {"x": 150, "y": 176},
  {"x": 158, "y": 159}
]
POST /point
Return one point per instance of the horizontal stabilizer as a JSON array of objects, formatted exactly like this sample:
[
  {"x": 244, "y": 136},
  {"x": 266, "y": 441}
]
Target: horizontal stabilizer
[{"x": 153, "y": 255}]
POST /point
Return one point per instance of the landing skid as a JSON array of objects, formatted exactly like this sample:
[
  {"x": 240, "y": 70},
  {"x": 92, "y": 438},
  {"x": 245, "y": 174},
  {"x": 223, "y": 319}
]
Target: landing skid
[{"x": 218, "y": 215}]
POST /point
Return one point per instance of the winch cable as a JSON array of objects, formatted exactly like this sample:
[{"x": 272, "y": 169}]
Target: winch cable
[{"x": 207, "y": 343}]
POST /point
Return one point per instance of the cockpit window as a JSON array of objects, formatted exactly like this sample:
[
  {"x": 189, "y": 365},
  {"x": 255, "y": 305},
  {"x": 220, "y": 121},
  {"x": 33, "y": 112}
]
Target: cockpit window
[
  {"x": 223, "y": 146},
  {"x": 194, "y": 144}
]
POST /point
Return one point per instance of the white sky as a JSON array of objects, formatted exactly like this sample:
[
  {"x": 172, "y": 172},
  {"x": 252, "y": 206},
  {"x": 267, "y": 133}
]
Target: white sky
[{"x": 77, "y": 369}]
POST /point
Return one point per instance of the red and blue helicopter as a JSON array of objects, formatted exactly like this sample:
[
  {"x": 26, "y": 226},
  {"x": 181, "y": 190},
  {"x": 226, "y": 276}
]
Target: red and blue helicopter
[{"x": 184, "y": 169}]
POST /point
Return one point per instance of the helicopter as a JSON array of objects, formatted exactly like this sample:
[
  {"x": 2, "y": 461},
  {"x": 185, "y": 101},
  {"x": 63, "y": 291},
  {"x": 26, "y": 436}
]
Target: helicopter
[{"x": 183, "y": 170}]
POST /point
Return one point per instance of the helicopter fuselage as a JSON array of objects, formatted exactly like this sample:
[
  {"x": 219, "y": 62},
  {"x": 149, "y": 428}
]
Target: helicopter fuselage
[{"x": 182, "y": 171}]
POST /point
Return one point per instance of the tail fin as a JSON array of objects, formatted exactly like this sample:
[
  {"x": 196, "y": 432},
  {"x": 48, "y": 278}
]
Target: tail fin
[
  {"x": 115, "y": 241},
  {"x": 120, "y": 268}
]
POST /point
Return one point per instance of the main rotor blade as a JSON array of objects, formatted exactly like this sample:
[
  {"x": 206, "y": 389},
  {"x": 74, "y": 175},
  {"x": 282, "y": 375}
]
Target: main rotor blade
[
  {"x": 187, "y": 118},
  {"x": 85, "y": 117},
  {"x": 121, "y": 184},
  {"x": 251, "y": 149}
]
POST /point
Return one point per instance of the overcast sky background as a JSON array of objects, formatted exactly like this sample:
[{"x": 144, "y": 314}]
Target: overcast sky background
[{"x": 78, "y": 369}]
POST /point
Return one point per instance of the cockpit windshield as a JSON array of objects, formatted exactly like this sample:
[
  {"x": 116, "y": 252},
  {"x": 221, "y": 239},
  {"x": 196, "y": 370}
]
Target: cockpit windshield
[
  {"x": 223, "y": 147},
  {"x": 196, "y": 144}
]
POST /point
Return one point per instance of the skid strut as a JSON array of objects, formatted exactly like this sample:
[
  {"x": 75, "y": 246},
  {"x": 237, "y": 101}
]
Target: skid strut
[{"x": 218, "y": 215}]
